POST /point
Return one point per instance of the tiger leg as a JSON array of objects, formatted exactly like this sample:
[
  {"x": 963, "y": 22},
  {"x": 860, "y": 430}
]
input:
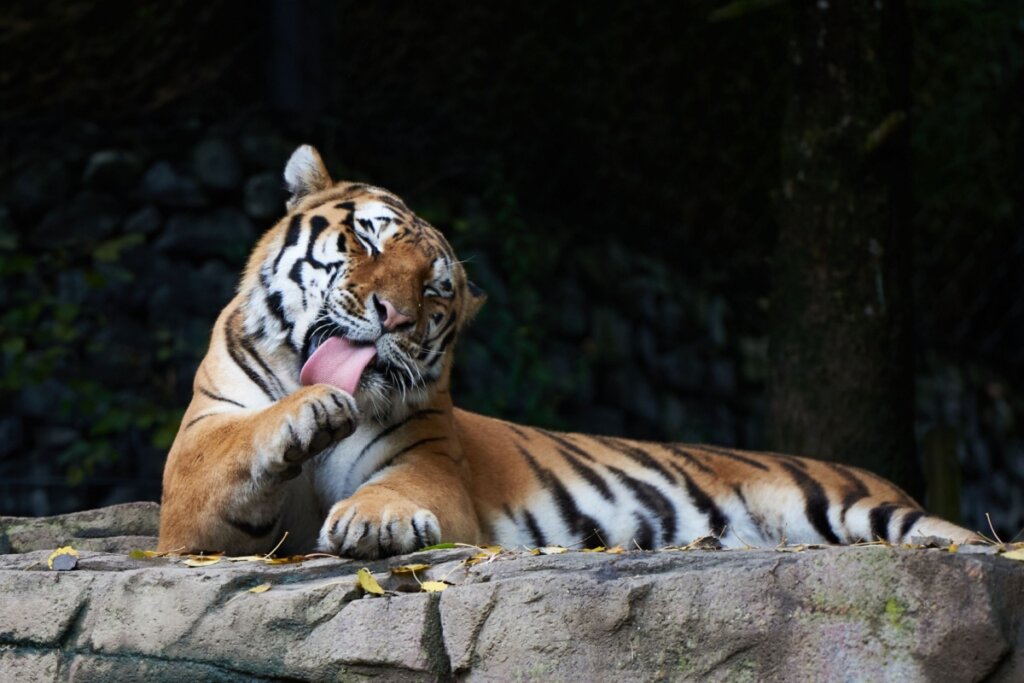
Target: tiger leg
[
  {"x": 414, "y": 503},
  {"x": 228, "y": 473}
]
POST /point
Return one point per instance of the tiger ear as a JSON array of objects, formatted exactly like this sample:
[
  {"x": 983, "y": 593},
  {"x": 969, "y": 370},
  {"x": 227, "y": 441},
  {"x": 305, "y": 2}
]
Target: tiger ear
[
  {"x": 305, "y": 174},
  {"x": 475, "y": 298}
]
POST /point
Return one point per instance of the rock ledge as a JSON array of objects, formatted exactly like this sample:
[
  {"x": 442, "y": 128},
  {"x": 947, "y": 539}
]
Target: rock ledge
[{"x": 862, "y": 613}]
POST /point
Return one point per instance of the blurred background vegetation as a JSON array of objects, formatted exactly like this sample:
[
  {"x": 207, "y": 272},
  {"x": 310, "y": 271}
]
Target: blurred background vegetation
[{"x": 610, "y": 171}]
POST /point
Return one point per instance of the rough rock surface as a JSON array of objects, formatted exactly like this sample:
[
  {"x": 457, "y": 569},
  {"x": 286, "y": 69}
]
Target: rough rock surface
[
  {"x": 862, "y": 613},
  {"x": 114, "y": 529}
]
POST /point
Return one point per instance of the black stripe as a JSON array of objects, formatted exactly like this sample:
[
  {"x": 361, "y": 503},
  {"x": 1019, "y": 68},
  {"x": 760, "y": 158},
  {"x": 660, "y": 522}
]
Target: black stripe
[
  {"x": 251, "y": 350},
  {"x": 654, "y": 500},
  {"x": 732, "y": 455},
  {"x": 880, "y": 517},
  {"x": 909, "y": 520},
  {"x": 440, "y": 348},
  {"x": 239, "y": 358},
  {"x": 815, "y": 502},
  {"x": 856, "y": 491},
  {"x": 577, "y": 521},
  {"x": 531, "y": 524},
  {"x": 216, "y": 397},
  {"x": 421, "y": 541},
  {"x": 415, "y": 444},
  {"x": 197, "y": 419},
  {"x": 291, "y": 238},
  {"x": 317, "y": 224},
  {"x": 717, "y": 521},
  {"x": 517, "y": 430},
  {"x": 636, "y": 454},
  {"x": 644, "y": 533},
  {"x": 592, "y": 477},
  {"x": 758, "y": 520},
  {"x": 342, "y": 533},
  {"x": 419, "y": 414},
  {"x": 275, "y": 304},
  {"x": 295, "y": 275},
  {"x": 428, "y": 344},
  {"x": 253, "y": 530},
  {"x": 567, "y": 444},
  {"x": 686, "y": 455}
]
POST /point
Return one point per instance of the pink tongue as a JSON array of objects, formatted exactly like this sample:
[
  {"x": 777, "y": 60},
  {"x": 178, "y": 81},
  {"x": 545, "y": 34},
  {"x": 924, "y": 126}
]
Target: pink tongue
[{"x": 339, "y": 362}]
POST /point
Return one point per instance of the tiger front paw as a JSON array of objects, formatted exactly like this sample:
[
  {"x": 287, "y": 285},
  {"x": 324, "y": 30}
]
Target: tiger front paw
[
  {"x": 320, "y": 416},
  {"x": 369, "y": 529}
]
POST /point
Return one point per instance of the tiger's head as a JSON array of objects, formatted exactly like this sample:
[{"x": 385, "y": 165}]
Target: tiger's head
[{"x": 351, "y": 288}]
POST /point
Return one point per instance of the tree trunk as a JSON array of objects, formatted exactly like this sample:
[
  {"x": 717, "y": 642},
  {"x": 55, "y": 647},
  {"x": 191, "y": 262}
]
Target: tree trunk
[{"x": 841, "y": 384}]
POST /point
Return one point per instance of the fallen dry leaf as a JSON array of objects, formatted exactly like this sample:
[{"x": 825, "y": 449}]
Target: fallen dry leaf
[
  {"x": 433, "y": 586},
  {"x": 549, "y": 550},
  {"x": 1015, "y": 555},
  {"x": 409, "y": 568},
  {"x": 598, "y": 549},
  {"x": 144, "y": 554},
  {"x": 201, "y": 560},
  {"x": 368, "y": 583},
  {"x": 262, "y": 588},
  {"x": 63, "y": 559},
  {"x": 291, "y": 559},
  {"x": 486, "y": 553},
  {"x": 617, "y": 550},
  {"x": 438, "y": 546}
]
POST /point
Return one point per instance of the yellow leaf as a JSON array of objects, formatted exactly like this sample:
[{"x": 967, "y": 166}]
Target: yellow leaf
[
  {"x": 598, "y": 549},
  {"x": 144, "y": 554},
  {"x": 617, "y": 550},
  {"x": 1015, "y": 554},
  {"x": 246, "y": 558},
  {"x": 550, "y": 550},
  {"x": 292, "y": 559},
  {"x": 409, "y": 568},
  {"x": 953, "y": 547},
  {"x": 486, "y": 553},
  {"x": 70, "y": 556},
  {"x": 201, "y": 560},
  {"x": 433, "y": 586},
  {"x": 262, "y": 588},
  {"x": 438, "y": 546},
  {"x": 368, "y": 583}
]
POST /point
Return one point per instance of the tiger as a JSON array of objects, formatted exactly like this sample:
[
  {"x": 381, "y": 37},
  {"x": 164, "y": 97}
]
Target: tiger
[{"x": 322, "y": 419}]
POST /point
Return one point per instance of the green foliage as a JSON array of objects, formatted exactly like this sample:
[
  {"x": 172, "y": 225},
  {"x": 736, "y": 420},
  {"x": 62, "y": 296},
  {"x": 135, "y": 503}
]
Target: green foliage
[{"x": 55, "y": 328}]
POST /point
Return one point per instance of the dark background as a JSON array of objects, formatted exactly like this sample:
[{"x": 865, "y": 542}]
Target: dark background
[{"x": 610, "y": 173}]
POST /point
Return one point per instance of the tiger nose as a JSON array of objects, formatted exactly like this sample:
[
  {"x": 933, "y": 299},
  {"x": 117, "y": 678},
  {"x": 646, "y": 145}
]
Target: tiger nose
[{"x": 390, "y": 318}]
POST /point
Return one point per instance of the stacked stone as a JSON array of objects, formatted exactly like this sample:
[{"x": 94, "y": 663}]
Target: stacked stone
[{"x": 134, "y": 249}]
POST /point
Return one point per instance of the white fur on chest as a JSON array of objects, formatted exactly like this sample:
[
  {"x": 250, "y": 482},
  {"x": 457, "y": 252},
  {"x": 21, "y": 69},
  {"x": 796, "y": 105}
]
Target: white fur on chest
[{"x": 339, "y": 472}]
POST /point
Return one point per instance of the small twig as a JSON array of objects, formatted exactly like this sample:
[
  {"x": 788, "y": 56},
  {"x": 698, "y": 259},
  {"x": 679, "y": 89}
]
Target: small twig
[
  {"x": 993, "y": 529},
  {"x": 271, "y": 553},
  {"x": 747, "y": 545}
]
